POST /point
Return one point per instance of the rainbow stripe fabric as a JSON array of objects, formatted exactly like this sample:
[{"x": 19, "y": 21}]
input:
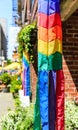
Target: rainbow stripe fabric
[
  {"x": 26, "y": 74},
  {"x": 49, "y": 106}
]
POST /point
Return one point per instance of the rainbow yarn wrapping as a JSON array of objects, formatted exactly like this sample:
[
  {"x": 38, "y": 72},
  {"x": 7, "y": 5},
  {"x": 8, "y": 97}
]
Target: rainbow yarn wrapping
[
  {"x": 26, "y": 74},
  {"x": 49, "y": 107}
]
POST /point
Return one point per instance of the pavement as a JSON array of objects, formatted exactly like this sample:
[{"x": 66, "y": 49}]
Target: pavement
[{"x": 6, "y": 103}]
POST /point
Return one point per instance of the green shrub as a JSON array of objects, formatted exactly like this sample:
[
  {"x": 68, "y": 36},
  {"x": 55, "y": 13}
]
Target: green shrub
[
  {"x": 20, "y": 119},
  {"x": 71, "y": 116},
  {"x": 17, "y": 102},
  {"x": 15, "y": 84},
  {"x": 5, "y": 78},
  {"x": 9, "y": 61}
]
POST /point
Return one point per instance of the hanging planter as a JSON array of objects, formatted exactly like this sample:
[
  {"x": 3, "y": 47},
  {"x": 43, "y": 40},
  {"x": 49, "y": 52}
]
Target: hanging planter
[{"x": 27, "y": 38}]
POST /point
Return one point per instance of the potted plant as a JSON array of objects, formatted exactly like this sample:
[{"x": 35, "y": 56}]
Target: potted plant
[
  {"x": 15, "y": 85},
  {"x": 6, "y": 80}
]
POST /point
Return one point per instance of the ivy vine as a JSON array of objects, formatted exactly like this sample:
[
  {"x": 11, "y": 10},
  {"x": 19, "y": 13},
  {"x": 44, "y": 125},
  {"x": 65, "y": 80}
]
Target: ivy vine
[{"x": 27, "y": 38}]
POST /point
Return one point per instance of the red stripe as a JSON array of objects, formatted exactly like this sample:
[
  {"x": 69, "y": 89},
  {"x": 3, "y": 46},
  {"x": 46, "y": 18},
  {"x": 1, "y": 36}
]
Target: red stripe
[
  {"x": 60, "y": 100},
  {"x": 49, "y": 21}
]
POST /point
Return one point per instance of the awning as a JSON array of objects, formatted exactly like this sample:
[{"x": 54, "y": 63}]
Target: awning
[{"x": 14, "y": 65}]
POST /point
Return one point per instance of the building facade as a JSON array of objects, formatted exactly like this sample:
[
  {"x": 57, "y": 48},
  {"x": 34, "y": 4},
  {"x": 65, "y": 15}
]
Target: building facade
[
  {"x": 3, "y": 37},
  {"x": 27, "y": 10},
  {"x": 69, "y": 11},
  {"x": 13, "y": 30},
  {"x": 14, "y": 12},
  {"x": 0, "y": 38}
]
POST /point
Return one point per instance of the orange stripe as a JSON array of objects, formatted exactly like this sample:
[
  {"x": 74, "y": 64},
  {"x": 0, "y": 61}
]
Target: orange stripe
[{"x": 51, "y": 34}]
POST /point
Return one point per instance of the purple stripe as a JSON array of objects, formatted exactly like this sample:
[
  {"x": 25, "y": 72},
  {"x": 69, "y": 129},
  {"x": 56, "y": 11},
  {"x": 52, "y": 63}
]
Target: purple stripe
[{"x": 52, "y": 87}]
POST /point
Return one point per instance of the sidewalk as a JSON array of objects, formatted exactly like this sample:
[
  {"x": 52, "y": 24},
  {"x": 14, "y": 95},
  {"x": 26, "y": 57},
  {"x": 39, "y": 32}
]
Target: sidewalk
[{"x": 6, "y": 103}]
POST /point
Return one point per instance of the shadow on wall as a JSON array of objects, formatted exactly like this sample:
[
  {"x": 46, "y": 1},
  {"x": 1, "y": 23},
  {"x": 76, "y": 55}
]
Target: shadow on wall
[
  {"x": 33, "y": 69},
  {"x": 35, "y": 64}
]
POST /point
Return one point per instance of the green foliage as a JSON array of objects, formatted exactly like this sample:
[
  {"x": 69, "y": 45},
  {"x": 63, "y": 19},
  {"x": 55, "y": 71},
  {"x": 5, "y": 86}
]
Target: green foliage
[
  {"x": 27, "y": 38},
  {"x": 17, "y": 102},
  {"x": 5, "y": 78},
  {"x": 71, "y": 116},
  {"x": 9, "y": 61},
  {"x": 20, "y": 119},
  {"x": 15, "y": 84}
]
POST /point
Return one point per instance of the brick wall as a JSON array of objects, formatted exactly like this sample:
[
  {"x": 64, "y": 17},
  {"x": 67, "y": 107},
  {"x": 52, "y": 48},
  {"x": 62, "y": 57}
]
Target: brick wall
[
  {"x": 33, "y": 82},
  {"x": 33, "y": 70},
  {"x": 70, "y": 56}
]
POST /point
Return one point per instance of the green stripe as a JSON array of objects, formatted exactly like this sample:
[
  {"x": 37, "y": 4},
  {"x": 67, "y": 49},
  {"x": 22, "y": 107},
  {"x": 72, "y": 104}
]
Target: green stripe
[
  {"x": 52, "y": 62},
  {"x": 37, "y": 119}
]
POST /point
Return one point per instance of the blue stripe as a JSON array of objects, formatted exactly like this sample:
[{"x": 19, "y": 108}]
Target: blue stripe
[
  {"x": 27, "y": 81},
  {"x": 26, "y": 76},
  {"x": 25, "y": 61},
  {"x": 43, "y": 95},
  {"x": 48, "y": 7}
]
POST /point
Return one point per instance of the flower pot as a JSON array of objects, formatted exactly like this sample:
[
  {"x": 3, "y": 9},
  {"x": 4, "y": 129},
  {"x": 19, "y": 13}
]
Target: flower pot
[{"x": 6, "y": 89}]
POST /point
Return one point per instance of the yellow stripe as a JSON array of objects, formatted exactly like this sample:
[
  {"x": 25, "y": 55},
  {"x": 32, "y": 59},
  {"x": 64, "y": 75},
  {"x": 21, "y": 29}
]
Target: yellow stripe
[
  {"x": 26, "y": 55},
  {"x": 49, "y": 48}
]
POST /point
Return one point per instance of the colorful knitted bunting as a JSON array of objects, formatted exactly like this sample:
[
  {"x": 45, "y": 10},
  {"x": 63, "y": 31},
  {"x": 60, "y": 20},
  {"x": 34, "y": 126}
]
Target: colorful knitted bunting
[
  {"x": 50, "y": 87},
  {"x": 26, "y": 74}
]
